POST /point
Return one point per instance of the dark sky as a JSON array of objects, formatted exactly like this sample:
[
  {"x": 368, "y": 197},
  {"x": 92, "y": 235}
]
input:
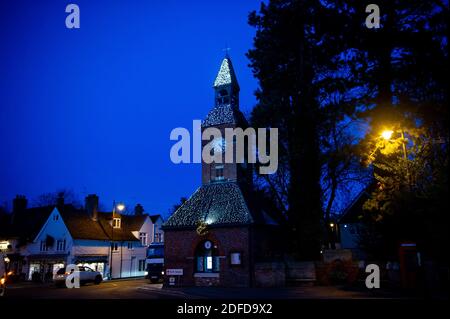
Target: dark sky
[{"x": 92, "y": 109}]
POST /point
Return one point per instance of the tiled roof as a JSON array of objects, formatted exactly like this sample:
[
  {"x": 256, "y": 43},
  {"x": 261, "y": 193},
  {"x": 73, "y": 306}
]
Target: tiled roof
[
  {"x": 128, "y": 224},
  {"x": 216, "y": 204},
  {"x": 224, "y": 114},
  {"x": 82, "y": 226},
  {"x": 27, "y": 224}
]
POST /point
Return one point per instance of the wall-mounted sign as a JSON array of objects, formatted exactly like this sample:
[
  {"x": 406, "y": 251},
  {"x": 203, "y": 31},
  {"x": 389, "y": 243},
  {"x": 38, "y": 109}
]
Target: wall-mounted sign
[
  {"x": 174, "y": 272},
  {"x": 235, "y": 258}
]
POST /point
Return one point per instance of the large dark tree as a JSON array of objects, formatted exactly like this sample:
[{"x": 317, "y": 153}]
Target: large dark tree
[
  {"x": 294, "y": 53},
  {"x": 320, "y": 68},
  {"x": 406, "y": 84}
]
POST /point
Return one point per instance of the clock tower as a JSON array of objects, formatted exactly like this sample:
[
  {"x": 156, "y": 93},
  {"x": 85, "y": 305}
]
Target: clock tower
[
  {"x": 225, "y": 114},
  {"x": 218, "y": 234}
]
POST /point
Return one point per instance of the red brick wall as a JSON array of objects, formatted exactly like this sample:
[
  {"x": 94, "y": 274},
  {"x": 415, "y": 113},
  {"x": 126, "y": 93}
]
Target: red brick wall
[
  {"x": 180, "y": 248},
  {"x": 229, "y": 169}
]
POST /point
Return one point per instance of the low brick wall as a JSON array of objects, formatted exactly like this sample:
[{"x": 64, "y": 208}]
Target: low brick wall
[
  {"x": 207, "y": 281},
  {"x": 270, "y": 274},
  {"x": 301, "y": 272},
  {"x": 331, "y": 255}
]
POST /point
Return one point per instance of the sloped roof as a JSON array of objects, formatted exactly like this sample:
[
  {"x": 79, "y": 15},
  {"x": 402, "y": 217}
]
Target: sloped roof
[
  {"x": 127, "y": 225},
  {"x": 27, "y": 223},
  {"x": 82, "y": 226},
  {"x": 224, "y": 114},
  {"x": 216, "y": 204},
  {"x": 154, "y": 218},
  {"x": 226, "y": 74},
  {"x": 354, "y": 211}
]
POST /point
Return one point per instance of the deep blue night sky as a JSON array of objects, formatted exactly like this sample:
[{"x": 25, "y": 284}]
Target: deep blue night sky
[{"x": 92, "y": 109}]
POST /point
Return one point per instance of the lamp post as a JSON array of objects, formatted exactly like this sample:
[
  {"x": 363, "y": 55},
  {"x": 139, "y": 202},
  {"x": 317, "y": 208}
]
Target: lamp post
[
  {"x": 120, "y": 207},
  {"x": 387, "y": 135}
]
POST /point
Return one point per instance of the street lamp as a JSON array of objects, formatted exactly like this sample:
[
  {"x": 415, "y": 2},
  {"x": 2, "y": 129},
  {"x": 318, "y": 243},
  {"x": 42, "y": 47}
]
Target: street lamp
[
  {"x": 120, "y": 207},
  {"x": 387, "y": 134}
]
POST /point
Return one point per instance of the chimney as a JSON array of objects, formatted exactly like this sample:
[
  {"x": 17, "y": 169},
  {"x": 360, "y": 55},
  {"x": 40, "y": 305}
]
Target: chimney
[
  {"x": 138, "y": 210},
  {"x": 19, "y": 203},
  {"x": 91, "y": 205}
]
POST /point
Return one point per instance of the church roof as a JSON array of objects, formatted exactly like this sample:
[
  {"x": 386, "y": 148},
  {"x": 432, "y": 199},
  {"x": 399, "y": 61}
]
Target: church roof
[
  {"x": 226, "y": 75},
  {"x": 224, "y": 114},
  {"x": 216, "y": 204}
]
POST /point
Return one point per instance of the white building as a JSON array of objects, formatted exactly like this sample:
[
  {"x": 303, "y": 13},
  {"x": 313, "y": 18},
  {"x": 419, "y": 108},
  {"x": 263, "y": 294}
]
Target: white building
[{"x": 42, "y": 240}]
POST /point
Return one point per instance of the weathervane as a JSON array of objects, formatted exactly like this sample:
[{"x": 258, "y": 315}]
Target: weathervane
[{"x": 226, "y": 49}]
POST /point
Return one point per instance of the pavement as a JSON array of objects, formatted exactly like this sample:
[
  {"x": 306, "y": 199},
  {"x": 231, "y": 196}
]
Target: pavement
[{"x": 143, "y": 289}]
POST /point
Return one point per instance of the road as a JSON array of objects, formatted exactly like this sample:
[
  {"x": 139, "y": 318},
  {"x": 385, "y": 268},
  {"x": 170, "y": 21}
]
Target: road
[{"x": 142, "y": 289}]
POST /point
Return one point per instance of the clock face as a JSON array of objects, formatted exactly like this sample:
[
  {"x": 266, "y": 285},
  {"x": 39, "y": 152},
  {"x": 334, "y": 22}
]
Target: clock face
[
  {"x": 207, "y": 244},
  {"x": 219, "y": 145}
]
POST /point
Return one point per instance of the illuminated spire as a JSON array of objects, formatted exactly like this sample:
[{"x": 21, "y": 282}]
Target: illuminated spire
[{"x": 226, "y": 75}]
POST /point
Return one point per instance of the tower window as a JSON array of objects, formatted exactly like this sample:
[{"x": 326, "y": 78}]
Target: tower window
[
  {"x": 223, "y": 97},
  {"x": 219, "y": 172}
]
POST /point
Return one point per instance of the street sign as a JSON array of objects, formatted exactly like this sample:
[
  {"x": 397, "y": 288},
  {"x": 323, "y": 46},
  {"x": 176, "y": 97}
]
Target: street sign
[{"x": 174, "y": 272}]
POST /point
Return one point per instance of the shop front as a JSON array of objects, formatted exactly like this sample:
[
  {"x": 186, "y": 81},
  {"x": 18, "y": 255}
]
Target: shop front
[
  {"x": 43, "y": 268},
  {"x": 95, "y": 262}
]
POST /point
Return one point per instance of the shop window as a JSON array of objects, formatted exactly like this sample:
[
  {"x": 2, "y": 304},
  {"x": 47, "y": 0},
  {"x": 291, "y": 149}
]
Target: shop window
[{"x": 206, "y": 257}]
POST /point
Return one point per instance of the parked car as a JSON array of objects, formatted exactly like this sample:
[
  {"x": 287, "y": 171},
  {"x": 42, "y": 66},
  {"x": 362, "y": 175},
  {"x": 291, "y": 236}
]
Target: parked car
[{"x": 86, "y": 275}]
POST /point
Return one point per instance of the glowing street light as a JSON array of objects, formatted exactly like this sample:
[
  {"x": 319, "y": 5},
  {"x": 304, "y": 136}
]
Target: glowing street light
[
  {"x": 387, "y": 134},
  {"x": 120, "y": 207}
]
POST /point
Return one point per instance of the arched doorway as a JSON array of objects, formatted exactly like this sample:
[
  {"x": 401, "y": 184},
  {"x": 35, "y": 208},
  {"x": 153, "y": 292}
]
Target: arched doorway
[{"x": 206, "y": 257}]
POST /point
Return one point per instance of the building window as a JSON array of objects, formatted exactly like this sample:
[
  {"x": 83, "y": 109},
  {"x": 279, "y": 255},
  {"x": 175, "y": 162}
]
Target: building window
[
  {"x": 44, "y": 246},
  {"x": 116, "y": 223},
  {"x": 142, "y": 265},
  {"x": 223, "y": 97},
  {"x": 55, "y": 217},
  {"x": 219, "y": 172},
  {"x": 114, "y": 247},
  {"x": 130, "y": 245},
  {"x": 61, "y": 245},
  {"x": 206, "y": 257},
  {"x": 143, "y": 238},
  {"x": 158, "y": 237}
]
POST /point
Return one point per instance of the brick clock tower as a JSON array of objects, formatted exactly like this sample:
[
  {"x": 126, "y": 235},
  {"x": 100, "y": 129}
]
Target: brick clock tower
[
  {"x": 225, "y": 114},
  {"x": 219, "y": 233}
]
